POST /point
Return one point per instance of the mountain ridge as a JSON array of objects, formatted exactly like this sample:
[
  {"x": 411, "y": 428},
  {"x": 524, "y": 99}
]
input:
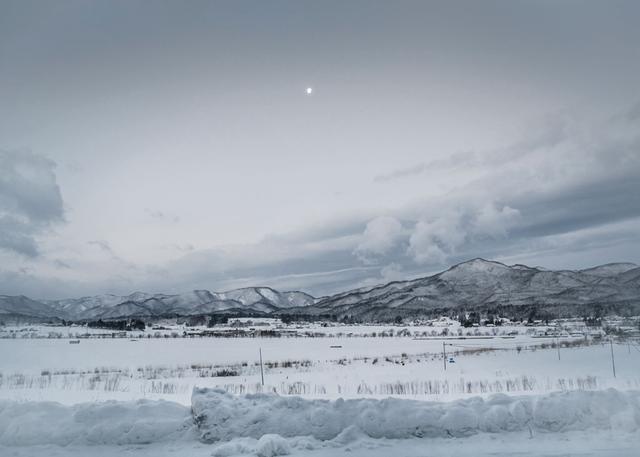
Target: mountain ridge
[
  {"x": 145, "y": 305},
  {"x": 485, "y": 285},
  {"x": 476, "y": 284}
]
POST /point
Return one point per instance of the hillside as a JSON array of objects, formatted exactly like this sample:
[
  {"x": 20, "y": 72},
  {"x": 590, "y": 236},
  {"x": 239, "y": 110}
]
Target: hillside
[
  {"x": 488, "y": 287},
  {"x": 143, "y": 305}
]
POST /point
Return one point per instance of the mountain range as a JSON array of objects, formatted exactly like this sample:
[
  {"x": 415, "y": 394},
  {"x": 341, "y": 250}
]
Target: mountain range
[
  {"x": 262, "y": 300},
  {"x": 476, "y": 285},
  {"x": 493, "y": 288}
]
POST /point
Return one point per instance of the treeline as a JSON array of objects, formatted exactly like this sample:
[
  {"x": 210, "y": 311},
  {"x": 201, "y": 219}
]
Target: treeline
[
  {"x": 120, "y": 325},
  {"x": 301, "y": 317},
  {"x": 482, "y": 314}
]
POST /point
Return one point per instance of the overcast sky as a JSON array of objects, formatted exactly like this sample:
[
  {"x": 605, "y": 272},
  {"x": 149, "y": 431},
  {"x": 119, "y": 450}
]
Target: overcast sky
[{"x": 168, "y": 146}]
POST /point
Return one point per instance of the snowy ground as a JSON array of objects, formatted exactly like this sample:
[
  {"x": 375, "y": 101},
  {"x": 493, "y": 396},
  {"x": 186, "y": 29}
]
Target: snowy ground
[
  {"x": 582, "y": 444},
  {"x": 600, "y": 423},
  {"x": 98, "y": 385},
  {"x": 34, "y": 355},
  {"x": 44, "y": 369}
]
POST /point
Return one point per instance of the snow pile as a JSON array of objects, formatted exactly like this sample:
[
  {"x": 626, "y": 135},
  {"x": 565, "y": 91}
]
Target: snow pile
[
  {"x": 269, "y": 426},
  {"x": 140, "y": 422},
  {"x": 221, "y": 417},
  {"x": 271, "y": 445}
]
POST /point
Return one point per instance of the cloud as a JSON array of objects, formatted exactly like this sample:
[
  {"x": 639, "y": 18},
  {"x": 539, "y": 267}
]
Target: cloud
[
  {"x": 548, "y": 132},
  {"x": 380, "y": 236},
  {"x": 434, "y": 241},
  {"x": 61, "y": 264},
  {"x": 162, "y": 216},
  {"x": 392, "y": 272},
  {"x": 493, "y": 221},
  {"x": 105, "y": 247},
  {"x": 560, "y": 181},
  {"x": 102, "y": 245},
  {"x": 270, "y": 260},
  {"x": 30, "y": 201},
  {"x": 563, "y": 195},
  {"x": 186, "y": 247}
]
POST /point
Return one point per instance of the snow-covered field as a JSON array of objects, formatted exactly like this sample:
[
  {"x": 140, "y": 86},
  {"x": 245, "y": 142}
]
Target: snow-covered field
[
  {"x": 101, "y": 369},
  {"x": 149, "y": 380}
]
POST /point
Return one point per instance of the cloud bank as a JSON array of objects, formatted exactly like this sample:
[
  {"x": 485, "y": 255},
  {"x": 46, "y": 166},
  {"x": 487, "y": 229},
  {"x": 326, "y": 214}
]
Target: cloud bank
[
  {"x": 30, "y": 201},
  {"x": 571, "y": 196}
]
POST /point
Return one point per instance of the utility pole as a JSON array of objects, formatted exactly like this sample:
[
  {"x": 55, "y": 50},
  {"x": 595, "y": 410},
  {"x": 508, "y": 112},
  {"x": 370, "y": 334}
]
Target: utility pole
[
  {"x": 558, "y": 346},
  {"x": 613, "y": 360},
  {"x": 444, "y": 356},
  {"x": 261, "y": 370}
]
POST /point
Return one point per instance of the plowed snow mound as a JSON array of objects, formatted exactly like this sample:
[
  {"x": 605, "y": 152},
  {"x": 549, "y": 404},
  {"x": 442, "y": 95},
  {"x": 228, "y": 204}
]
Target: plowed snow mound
[
  {"x": 218, "y": 416},
  {"x": 221, "y": 416},
  {"x": 140, "y": 422}
]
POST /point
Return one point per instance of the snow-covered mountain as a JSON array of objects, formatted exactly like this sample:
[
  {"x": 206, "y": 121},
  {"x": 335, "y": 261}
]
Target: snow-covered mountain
[
  {"x": 23, "y": 309},
  {"x": 478, "y": 284},
  {"x": 140, "y": 304},
  {"x": 485, "y": 285}
]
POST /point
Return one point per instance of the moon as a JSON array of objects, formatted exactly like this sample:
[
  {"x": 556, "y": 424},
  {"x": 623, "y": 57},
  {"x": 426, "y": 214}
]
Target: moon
[{"x": 309, "y": 90}]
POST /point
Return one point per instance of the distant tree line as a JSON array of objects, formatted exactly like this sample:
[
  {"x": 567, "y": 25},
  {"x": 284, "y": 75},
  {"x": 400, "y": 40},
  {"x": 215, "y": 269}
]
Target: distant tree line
[
  {"x": 470, "y": 315},
  {"x": 217, "y": 319},
  {"x": 301, "y": 317},
  {"x": 120, "y": 325}
]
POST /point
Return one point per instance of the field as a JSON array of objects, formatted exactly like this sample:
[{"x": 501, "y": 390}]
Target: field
[
  {"x": 427, "y": 363},
  {"x": 321, "y": 367}
]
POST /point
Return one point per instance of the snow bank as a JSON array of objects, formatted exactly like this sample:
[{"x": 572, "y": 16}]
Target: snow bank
[
  {"x": 221, "y": 417},
  {"x": 271, "y": 445},
  {"x": 140, "y": 422},
  {"x": 269, "y": 425}
]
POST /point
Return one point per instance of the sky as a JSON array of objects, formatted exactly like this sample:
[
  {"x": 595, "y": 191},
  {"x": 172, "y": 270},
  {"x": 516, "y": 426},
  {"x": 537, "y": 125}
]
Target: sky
[{"x": 166, "y": 146}]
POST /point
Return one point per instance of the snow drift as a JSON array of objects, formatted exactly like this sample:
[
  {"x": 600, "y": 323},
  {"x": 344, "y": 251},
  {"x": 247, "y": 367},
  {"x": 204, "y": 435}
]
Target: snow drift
[
  {"x": 139, "y": 422},
  {"x": 220, "y": 416},
  {"x": 216, "y": 416}
]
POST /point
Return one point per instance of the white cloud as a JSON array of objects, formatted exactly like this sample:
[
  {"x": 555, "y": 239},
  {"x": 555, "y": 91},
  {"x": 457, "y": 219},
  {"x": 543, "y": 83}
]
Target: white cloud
[
  {"x": 380, "y": 236},
  {"x": 433, "y": 240},
  {"x": 493, "y": 221}
]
